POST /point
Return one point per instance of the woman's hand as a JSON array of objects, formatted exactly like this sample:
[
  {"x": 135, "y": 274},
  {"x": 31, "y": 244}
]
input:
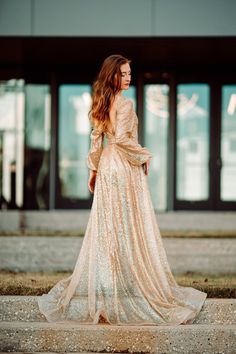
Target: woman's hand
[
  {"x": 92, "y": 180},
  {"x": 146, "y": 167}
]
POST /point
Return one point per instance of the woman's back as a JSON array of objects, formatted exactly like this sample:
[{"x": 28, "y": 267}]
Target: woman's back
[{"x": 112, "y": 115}]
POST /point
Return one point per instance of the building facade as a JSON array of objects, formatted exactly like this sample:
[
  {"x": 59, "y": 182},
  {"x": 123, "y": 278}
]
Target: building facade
[{"x": 183, "y": 87}]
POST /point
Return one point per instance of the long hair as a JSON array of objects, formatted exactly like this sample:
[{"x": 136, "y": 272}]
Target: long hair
[{"x": 104, "y": 90}]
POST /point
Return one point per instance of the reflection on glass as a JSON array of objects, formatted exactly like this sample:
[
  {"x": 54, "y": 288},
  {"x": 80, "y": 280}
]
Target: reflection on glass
[
  {"x": 25, "y": 144},
  {"x": 228, "y": 143},
  {"x": 12, "y": 101},
  {"x": 74, "y": 143},
  {"x": 37, "y": 145},
  {"x": 193, "y": 142},
  {"x": 156, "y": 113}
]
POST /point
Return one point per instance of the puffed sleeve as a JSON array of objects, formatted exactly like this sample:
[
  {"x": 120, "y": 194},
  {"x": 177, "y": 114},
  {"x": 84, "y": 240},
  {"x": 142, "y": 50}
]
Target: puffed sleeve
[
  {"x": 126, "y": 135},
  {"x": 96, "y": 147}
]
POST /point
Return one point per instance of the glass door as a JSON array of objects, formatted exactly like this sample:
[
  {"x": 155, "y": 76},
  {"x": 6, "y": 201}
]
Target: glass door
[
  {"x": 25, "y": 144},
  {"x": 193, "y": 146},
  {"x": 227, "y": 160},
  {"x": 156, "y": 133},
  {"x": 73, "y": 145},
  {"x": 12, "y": 131},
  {"x": 190, "y": 127}
]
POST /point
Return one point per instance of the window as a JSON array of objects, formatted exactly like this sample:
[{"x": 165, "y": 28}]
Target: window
[
  {"x": 74, "y": 142},
  {"x": 193, "y": 142},
  {"x": 156, "y": 115},
  {"x": 228, "y": 143},
  {"x": 25, "y": 144}
]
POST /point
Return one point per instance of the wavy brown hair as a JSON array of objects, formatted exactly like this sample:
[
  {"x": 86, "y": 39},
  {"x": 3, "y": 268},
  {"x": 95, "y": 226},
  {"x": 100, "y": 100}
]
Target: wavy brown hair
[{"x": 104, "y": 90}]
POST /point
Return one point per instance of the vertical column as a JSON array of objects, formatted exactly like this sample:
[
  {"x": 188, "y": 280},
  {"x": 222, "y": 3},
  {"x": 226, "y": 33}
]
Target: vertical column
[{"x": 54, "y": 132}]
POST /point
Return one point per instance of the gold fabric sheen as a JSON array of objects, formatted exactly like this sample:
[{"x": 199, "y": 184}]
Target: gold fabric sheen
[{"x": 122, "y": 272}]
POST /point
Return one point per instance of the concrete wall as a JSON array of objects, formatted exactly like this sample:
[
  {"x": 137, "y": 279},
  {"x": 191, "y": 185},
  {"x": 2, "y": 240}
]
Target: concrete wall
[{"x": 117, "y": 18}]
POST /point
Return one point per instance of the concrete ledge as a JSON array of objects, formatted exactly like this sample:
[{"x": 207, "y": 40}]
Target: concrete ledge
[
  {"x": 78, "y": 219},
  {"x": 53, "y": 253},
  {"x": 10, "y": 220},
  {"x": 61, "y": 338},
  {"x": 25, "y": 308}
]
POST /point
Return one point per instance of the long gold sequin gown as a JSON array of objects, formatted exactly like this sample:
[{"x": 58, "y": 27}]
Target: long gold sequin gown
[{"x": 122, "y": 271}]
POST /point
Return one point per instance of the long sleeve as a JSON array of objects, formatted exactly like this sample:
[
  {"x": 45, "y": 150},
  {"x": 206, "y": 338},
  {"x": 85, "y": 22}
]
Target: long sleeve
[
  {"x": 126, "y": 135},
  {"x": 95, "y": 151}
]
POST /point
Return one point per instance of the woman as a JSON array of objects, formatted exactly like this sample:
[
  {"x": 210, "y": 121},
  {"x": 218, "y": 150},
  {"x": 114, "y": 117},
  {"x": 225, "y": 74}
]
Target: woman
[{"x": 122, "y": 275}]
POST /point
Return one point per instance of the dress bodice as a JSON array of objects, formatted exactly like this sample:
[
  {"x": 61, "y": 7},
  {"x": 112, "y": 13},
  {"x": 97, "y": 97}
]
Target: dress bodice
[
  {"x": 112, "y": 134},
  {"x": 123, "y": 134}
]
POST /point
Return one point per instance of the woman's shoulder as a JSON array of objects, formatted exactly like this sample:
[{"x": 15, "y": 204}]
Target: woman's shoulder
[
  {"x": 124, "y": 103},
  {"x": 121, "y": 98}
]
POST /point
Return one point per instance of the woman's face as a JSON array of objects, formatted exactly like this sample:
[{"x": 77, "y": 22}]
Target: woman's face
[{"x": 125, "y": 76}]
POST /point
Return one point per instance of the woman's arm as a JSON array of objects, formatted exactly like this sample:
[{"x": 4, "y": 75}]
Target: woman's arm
[
  {"x": 93, "y": 156},
  {"x": 92, "y": 180},
  {"x": 95, "y": 151}
]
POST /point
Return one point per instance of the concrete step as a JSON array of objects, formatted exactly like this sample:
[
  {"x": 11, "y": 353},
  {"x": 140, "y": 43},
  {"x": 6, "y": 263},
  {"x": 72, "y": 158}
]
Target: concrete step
[
  {"x": 58, "y": 253},
  {"x": 25, "y": 308},
  {"x": 64, "y": 337},
  {"x": 77, "y": 220}
]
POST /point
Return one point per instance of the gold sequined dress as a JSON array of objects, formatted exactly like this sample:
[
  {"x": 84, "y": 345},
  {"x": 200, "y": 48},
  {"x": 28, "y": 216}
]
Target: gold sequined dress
[{"x": 122, "y": 272}]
